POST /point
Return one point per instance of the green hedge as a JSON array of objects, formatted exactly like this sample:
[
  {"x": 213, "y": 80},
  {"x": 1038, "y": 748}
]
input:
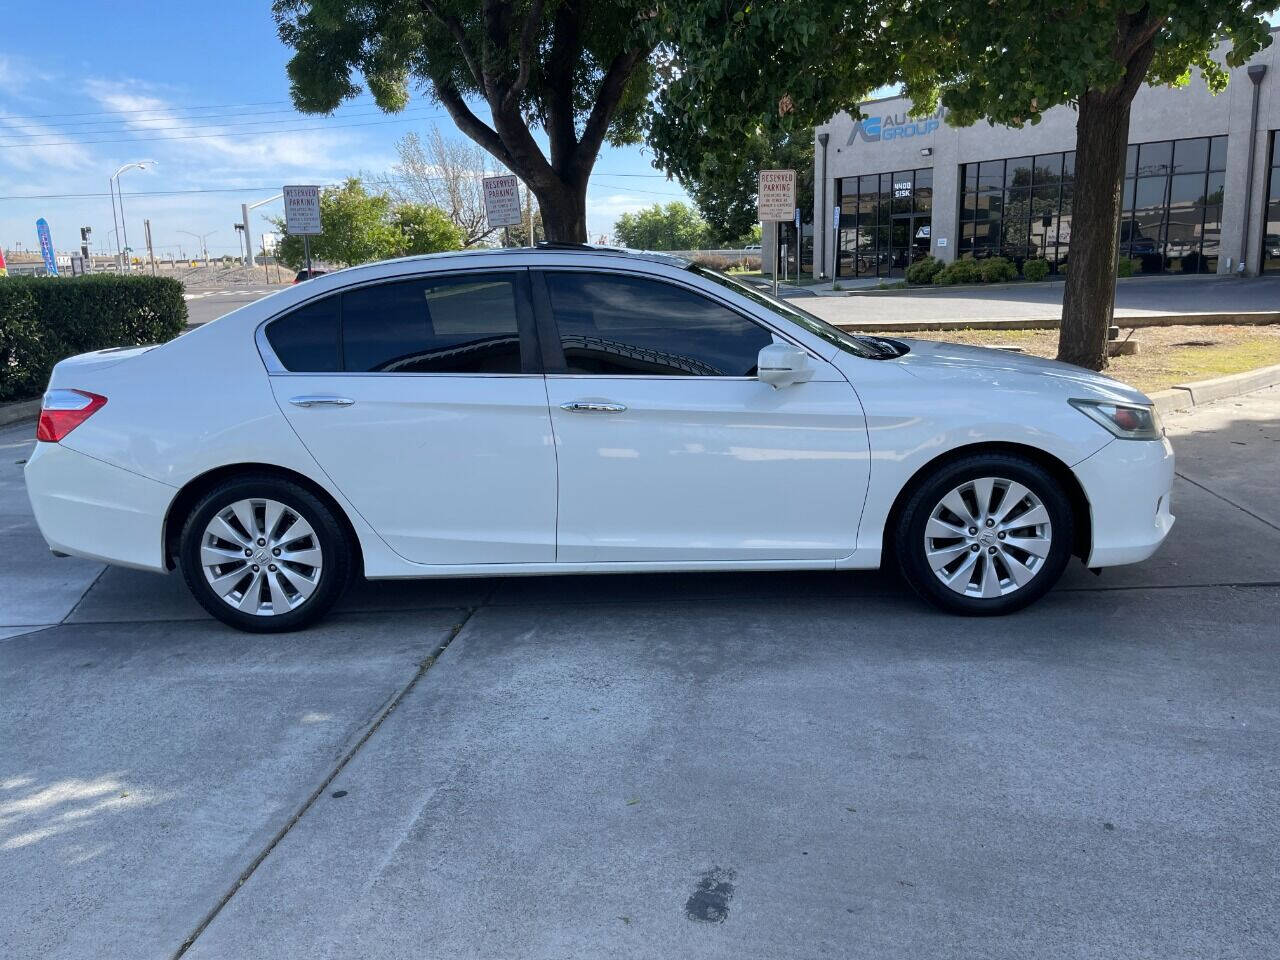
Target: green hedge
[
  {"x": 1035, "y": 269},
  {"x": 44, "y": 319},
  {"x": 924, "y": 270}
]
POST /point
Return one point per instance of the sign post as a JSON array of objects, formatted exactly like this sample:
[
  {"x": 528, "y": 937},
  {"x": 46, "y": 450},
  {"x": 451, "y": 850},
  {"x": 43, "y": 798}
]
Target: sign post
[
  {"x": 302, "y": 216},
  {"x": 775, "y": 202},
  {"x": 502, "y": 203}
]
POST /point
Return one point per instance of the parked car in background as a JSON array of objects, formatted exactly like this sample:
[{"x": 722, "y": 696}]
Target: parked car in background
[
  {"x": 305, "y": 274},
  {"x": 515, "y": 412}
]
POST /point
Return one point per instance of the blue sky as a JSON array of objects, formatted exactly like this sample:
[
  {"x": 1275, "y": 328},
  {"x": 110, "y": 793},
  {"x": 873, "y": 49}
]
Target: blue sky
[{"x": 85, "y": 88}]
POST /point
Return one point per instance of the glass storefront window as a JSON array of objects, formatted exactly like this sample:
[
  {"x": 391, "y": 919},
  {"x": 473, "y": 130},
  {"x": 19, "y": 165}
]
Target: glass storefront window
[
  {"x": 891, "y": 228},
  {"x": 1270, "y": 255},
  {"x": 1171, "y": 217},
  {"x": 1191, "y": 155}
]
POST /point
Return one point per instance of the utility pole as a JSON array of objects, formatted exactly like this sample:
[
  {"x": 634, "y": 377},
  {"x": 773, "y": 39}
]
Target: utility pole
[{"x": 151, "y": 253}]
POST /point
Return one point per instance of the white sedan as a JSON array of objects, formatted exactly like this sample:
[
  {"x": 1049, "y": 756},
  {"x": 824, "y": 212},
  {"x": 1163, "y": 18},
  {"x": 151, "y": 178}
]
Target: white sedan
[{"x": 582, "y": 410}]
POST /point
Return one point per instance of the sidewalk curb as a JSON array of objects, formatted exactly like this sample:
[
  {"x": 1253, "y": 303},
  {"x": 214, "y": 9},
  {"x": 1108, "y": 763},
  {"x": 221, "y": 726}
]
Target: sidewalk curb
[
  {"x": 18, "y": 411},
  {"x": 1184, "y": 396},
  {"x": 1245, "y": 318}
]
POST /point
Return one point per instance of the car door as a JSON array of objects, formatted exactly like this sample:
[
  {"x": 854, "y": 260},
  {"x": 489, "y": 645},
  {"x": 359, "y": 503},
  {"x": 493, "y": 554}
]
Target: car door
[
  {"x": 670, "y": 449},
  {"x": 422, "y": 400}
]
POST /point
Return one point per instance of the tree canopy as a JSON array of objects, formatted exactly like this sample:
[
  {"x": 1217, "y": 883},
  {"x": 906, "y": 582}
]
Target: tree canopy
[
  {"x": 361, "y": 226},
  {"x": 724, "y": 186},
  {"x": 580, "y": 70},
  {"x": 982, "y": 62},
  {"x": 674, "y": 226}
]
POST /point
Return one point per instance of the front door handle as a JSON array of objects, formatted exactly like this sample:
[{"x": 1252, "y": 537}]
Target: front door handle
[
  {"x": 593, "y": 406},
  {"x": 321, "y": 401}
]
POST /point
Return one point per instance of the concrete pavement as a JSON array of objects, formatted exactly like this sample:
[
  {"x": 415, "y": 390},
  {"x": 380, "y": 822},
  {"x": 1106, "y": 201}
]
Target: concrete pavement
[
  {"x": 733, "y": 766},
  {"x": 205, "y": 304}
]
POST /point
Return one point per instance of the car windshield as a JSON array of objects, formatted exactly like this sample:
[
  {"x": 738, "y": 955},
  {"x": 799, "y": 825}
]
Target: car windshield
[{"x": 872, "y": 348}]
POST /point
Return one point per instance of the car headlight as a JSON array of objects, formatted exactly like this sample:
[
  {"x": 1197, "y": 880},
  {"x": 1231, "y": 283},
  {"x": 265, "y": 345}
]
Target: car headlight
[{"x": 1128, "y": 421}]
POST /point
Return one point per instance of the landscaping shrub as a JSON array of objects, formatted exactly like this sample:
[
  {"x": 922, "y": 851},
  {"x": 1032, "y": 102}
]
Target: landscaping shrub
[
  {"x": 1126, "y": 267},
  {"x": 958, "y": 271},
  {"x": 712, "y": 262},
  {"x": 1035, "y": 269},
  {"x": 996, "y": 270},
  {"x": 924, "y": 270},
  {"x": 44, "y": 319}
]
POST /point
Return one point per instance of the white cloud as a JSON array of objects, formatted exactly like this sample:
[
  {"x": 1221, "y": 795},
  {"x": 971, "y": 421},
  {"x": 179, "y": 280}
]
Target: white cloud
[{"x": 31, "y": 146}]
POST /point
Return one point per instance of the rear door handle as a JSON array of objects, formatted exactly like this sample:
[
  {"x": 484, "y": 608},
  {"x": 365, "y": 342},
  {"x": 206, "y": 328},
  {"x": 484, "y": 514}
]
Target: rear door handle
[
  {"x": 321, "y": 401},
  {"x": 593, "y": 406}
]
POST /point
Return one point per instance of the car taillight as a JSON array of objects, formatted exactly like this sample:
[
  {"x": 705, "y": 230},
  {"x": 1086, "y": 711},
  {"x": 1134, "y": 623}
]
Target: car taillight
[{"x": 64, "y": 410}]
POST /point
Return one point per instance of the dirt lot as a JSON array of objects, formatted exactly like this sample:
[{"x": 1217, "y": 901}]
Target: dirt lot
[{"x": 1167, "y": 355}]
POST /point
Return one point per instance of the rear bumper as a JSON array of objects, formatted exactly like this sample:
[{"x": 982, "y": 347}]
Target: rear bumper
[
  {"x": 88, "y": 508},
  {"x": 1129, "y": 485}
]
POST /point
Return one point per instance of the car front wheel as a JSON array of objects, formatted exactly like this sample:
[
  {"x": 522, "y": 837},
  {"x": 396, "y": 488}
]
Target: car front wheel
[
  {"x": 264, "y": 555},
  {"x": 986, "y": 535}
]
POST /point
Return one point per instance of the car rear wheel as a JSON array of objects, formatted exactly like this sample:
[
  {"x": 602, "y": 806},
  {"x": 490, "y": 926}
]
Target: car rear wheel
[
  {"x": 264, "y": 555},
  {"x": 986, "y": 535}
]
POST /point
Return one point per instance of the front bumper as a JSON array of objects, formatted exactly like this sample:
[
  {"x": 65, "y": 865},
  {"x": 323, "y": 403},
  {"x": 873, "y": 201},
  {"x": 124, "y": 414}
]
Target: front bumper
[
  {"x": 1129, "y": 485},
  {"x": 88, "y": 508}
]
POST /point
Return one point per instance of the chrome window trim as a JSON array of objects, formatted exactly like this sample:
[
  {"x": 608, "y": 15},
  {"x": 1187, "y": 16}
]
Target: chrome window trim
[
  {"x": 449, "y": 269},
  {"x": 384, "y": 373}
]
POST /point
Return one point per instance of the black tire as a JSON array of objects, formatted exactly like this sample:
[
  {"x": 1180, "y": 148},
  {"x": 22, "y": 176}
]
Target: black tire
[
  {"x": 335, "y": 569},
  {"x": 909, "y": 534}
]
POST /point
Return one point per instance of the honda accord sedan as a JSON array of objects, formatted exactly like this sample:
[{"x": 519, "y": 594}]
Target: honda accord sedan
[{"x": 582, "y": 410}]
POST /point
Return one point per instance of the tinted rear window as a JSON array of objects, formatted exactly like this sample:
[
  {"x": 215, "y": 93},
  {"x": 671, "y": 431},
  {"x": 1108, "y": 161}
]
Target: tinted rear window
[{"x": 307, "y": 339}]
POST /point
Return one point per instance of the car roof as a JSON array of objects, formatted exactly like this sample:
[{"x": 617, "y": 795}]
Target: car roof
[{"x": 583, "y": 249}]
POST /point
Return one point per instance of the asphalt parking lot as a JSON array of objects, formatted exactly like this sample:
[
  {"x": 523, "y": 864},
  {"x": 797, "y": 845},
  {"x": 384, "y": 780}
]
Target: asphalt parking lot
[{"x": 735, "y": 766}]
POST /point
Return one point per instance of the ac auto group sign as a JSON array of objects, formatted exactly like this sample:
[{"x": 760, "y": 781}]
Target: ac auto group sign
[{"x": 895, "y": 126}]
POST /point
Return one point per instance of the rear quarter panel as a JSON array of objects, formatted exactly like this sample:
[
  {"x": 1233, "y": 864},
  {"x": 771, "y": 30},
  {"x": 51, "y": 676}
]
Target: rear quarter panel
[{"x": 195, "y": 404}]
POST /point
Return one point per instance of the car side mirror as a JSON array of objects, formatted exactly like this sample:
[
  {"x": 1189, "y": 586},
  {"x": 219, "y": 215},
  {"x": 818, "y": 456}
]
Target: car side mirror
[{"x": 781, "y": 364}]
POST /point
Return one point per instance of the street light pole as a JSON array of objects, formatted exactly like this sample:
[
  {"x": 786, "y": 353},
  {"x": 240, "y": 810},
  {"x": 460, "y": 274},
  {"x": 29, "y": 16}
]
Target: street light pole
[
  {"x": 115, "y": 224},
  {"x": 115, "y": 178},
  {"x": 244, "y": 213},
  {"x": 204, "y": 244}
]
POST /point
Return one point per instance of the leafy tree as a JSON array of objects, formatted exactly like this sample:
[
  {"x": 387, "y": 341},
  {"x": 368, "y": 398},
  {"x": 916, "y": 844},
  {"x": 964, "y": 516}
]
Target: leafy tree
[
  {"x": 360, "y": 226},
  {"x": 746, "y": 85},
  {"x": 724, "y": 185},
  {"x": 356, "y": 224},
  {"x": 426, "y": 229},
  {"x": 1009, "y": 62},
  {"x": 672, "y": 227},
  {"x": 579, "y": 70}
]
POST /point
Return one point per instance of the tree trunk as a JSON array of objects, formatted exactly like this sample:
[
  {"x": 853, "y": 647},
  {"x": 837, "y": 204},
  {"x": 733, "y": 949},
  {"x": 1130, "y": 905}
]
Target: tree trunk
[
  {"x": 1088, "y": 302},
  {"x": 564, "y": 212}
]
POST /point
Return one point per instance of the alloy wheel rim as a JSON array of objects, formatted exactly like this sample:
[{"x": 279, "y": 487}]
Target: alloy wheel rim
[
  {"x": 261, "y": 557},
  {"x": 989, "y": 537}
]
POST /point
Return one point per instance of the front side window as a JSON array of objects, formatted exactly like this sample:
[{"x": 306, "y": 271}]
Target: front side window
[
  {"x": 617, "y": 325},
  {"x": 464, "y": 324}
]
